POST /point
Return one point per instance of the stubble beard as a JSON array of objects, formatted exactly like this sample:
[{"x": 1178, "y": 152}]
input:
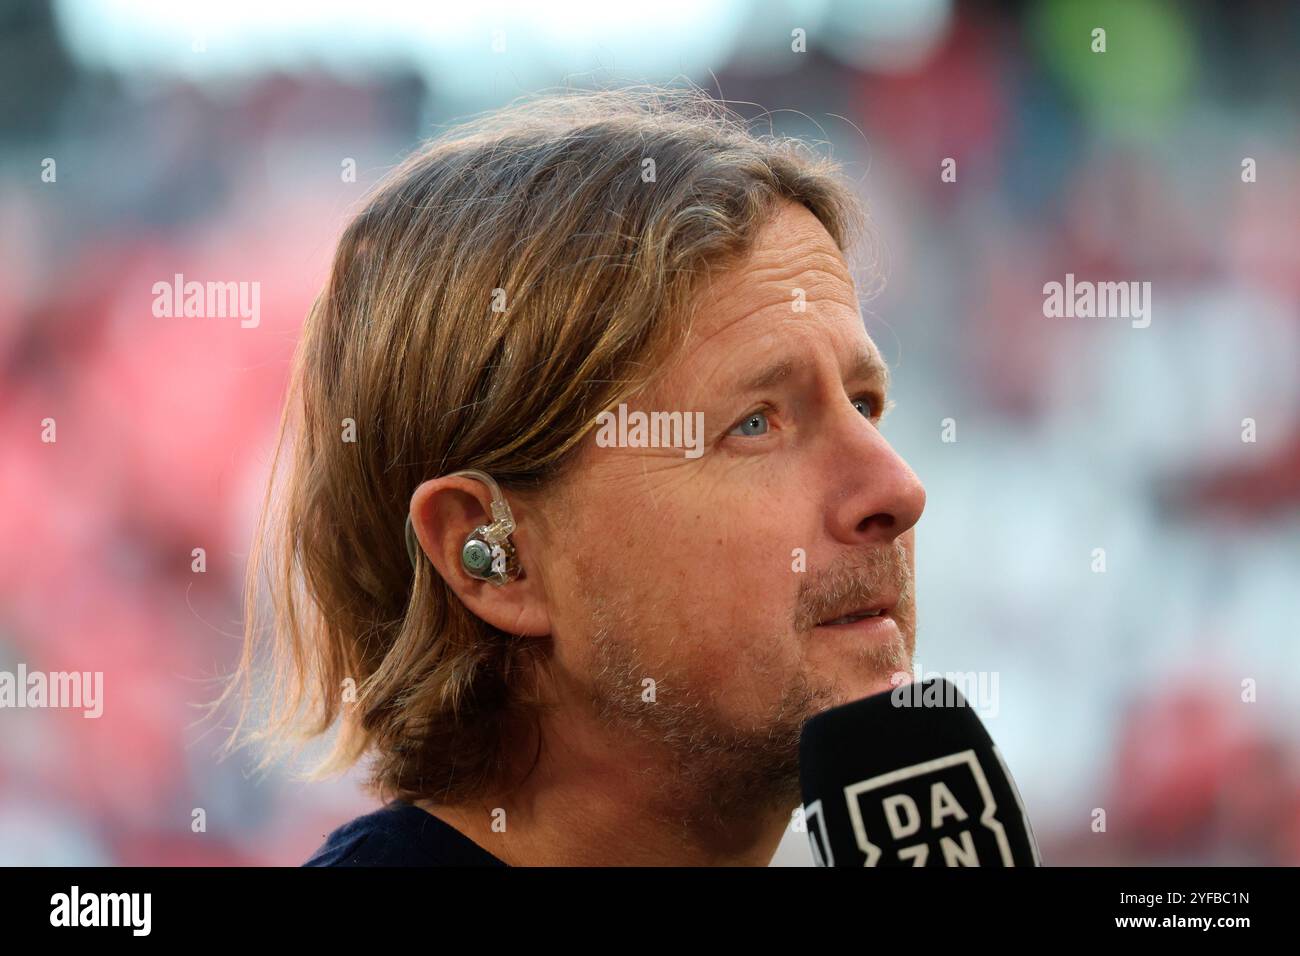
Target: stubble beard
[{"x": 711, "y": 772}]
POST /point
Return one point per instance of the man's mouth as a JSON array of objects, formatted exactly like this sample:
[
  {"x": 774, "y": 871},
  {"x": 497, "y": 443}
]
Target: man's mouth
[{"x": 849, "y": 616}]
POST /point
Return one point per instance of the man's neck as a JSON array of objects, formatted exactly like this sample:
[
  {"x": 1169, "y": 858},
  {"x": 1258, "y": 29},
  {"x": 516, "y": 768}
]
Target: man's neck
[{"x": 618, "y": 809}]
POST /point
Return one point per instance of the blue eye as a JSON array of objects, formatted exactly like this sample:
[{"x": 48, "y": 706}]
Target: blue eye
[
  {"x": 868, "y": 411},
  {"x": 760, "y": 417}
]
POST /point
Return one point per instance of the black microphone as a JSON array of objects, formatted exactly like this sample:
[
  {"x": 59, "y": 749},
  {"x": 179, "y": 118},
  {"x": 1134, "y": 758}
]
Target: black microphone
[{"x": 910, "y": 777}]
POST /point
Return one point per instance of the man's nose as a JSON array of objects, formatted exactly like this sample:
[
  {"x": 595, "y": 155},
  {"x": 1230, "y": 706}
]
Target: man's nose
[{"x": 880, "y": 497}]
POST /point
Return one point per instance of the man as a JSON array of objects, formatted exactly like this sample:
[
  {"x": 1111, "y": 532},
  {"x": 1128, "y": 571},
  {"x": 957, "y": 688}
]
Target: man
[{"x": 677, "y": 603}]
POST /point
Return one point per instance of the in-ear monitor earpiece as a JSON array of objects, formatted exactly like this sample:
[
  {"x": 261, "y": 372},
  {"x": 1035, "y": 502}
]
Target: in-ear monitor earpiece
[{"x": 488, "y": 553}]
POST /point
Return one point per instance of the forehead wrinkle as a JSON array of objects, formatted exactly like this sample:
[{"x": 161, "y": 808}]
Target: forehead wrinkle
[
  {"x": 773, "y": 285},
  {"x": 781, "y": 303},
  {"x": 798, "y": 255},
  {"x": 823, "y": 267},
  {"x": 865, "y": 364},
  {"x": 759, "y": 279}
]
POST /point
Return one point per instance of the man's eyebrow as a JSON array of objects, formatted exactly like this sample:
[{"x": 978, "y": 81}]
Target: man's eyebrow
[
  {"x": 766, "y": 377},
  {"x": 866, "y": 364}
]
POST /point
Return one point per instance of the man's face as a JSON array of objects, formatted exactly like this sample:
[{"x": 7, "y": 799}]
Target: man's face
[{"x": 709, "y": 575}]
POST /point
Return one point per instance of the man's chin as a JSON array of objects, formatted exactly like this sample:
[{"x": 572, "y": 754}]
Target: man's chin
[
  {"x": 848, "y": 690},
  {"x": 852, "y": 683},
  {"x": 879, "y": 685}
]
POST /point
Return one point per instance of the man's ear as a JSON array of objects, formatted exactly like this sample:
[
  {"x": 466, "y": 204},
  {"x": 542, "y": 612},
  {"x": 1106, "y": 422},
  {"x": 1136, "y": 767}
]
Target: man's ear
[{"x": 444, "y": 512}]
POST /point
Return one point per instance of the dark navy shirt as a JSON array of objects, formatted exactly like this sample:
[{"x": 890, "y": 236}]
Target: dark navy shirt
[{"x": 400, "y": 834}]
